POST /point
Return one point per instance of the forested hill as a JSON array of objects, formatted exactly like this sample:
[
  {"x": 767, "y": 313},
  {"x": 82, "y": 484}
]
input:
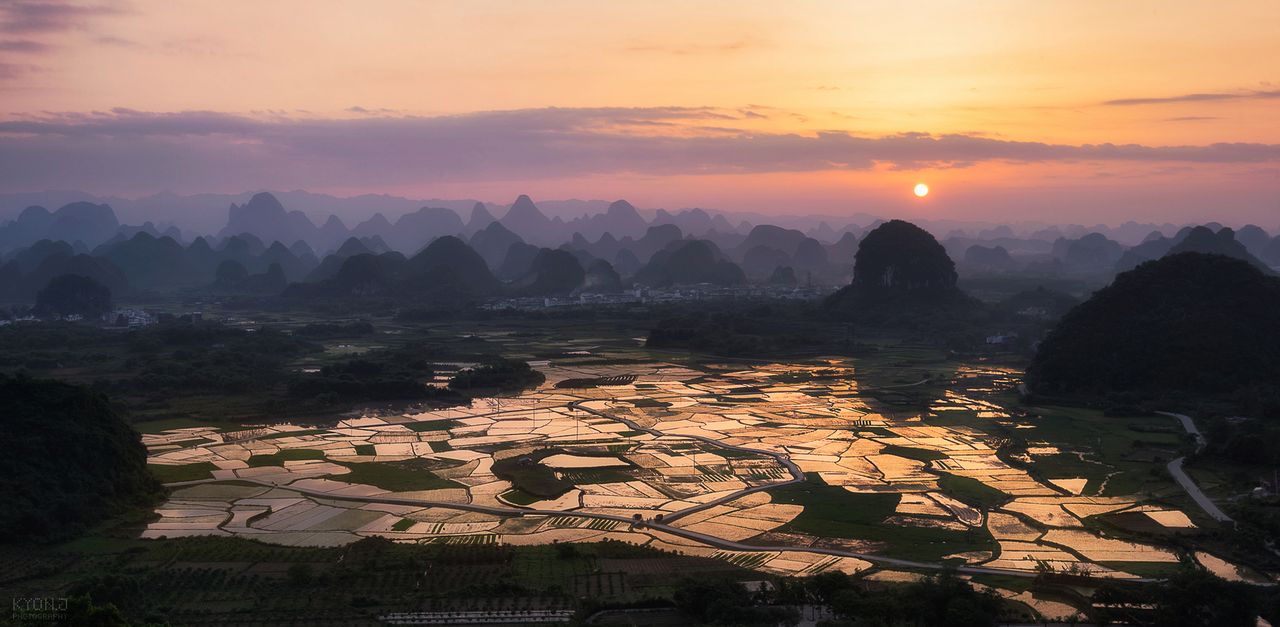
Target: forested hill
[
  {"x": 1187, "y": 323},
  {"x": 69, "y": 461}
]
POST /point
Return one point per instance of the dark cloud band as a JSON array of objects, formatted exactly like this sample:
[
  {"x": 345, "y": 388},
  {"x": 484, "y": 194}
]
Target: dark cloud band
[{"x": 207, "y": 150}]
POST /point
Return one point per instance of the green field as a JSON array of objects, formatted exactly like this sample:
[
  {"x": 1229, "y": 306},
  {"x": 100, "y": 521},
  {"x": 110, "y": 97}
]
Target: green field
[
  {"x": 404, "y": 476},
  {"x": 286, "y": 455},
  {"x": 971, "y": 491},
  {"x": 184, "y": 472},
  {"x": 833, "y": 512}
]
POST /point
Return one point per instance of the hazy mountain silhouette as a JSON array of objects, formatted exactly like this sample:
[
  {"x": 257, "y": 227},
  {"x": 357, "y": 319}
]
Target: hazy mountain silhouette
[
  {"x": 552, "y": 272},
  {"x": 1201, "y": 239},
  {"x": 621, "y": 220},
  {"x": 525, "y": 220},
  {"x": 988, "y": 258},
  {"x": 844, "y": 250},
  {"x": 517, "y": 261},
  {"x": 480, "y": 218},
  {"x": 85, "y": 222},
  {"x": 149, "y": 262},
  {"x": 449, "y": 261},
  {"x": 689, "y": 262},
  {"x": 492, "y": 243},
  {"x": 770, "y": 236},
  {"x": 601, "y": 277},
  {"x": 760, "y": 261},
  {"x": 266, "y": 218},
  {"x": 330, "y": 235},
  {"x": 100, "y": 270},
  {"x": 330, "y": 265},
  {"x": 1254, "y": 238},
  {"x": 414, "y": 230},
  {"x": 626, "y": 263},
  {"x": 1090, "y": 253}
]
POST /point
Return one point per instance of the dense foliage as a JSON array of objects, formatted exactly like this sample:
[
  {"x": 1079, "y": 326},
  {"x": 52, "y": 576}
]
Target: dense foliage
[
  {"x": 724, "y": 602},
  {"x": 70, "y": 461},
  {"x": 399, "y": 374},
  {"x": 503, "y": 374},
  {"x": 1188, "y": 323},
  {"x": 940, "y": 600},
  {"x": 756, "y": 332},
  {"x": 72, "y": 294}
]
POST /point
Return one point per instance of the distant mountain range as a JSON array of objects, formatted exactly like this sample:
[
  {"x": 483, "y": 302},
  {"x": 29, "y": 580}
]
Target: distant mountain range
[
  {"x": 264, "y": 243},
  {"x": 206, "y": 214}
]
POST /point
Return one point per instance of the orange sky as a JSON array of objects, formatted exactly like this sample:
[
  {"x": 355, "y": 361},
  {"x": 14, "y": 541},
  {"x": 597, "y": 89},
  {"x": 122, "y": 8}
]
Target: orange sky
[{"x": 1162, "y": 75}]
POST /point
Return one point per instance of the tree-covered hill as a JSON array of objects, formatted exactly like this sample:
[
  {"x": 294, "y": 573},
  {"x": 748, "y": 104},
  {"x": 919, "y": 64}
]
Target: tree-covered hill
[
  {"x": 1190, "y": 322},
  {"x": 902, "y": 276},
  {"x": 69, "y": 460}
]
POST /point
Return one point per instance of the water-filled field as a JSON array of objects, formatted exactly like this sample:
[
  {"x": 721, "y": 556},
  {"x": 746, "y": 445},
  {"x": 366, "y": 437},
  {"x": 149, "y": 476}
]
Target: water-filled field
[{"x": 787, "y": 468}]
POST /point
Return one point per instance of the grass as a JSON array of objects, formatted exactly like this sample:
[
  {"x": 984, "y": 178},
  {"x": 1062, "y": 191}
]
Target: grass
[
  {"x": 166, "y": 424},
  {"x": 589, "y": 476},
  {"x": 366, "y": 449},
  {"x": 286, "y": 455},
  {"x": 403, "y": 524},
  {"x": 192, "y": 442},
  {"x": 1125, "y": 448},
  {"x": 404, "y": 476},
  {"x": 184, "y": 472},
  {"x": 520, "y": 497},
  {"x": 971, "y": 491},
  {"x": 432, "y": 425},
  {"x": 528, "y": 474},
  {"x": 648, "y": 402},
  {"x": 833, "y": 512}
]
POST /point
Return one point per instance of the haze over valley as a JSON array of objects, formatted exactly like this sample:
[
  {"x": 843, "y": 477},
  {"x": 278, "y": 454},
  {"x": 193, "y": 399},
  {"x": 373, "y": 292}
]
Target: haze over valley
[{"x": 827, "y": 314}]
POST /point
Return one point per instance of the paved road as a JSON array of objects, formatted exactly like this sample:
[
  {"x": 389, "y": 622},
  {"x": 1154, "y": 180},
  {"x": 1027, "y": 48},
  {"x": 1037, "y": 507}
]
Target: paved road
[{"x": 1184, "y": 480}]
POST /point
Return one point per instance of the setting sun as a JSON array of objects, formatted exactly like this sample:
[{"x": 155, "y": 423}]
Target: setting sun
[{"x": 921, "y": 190}]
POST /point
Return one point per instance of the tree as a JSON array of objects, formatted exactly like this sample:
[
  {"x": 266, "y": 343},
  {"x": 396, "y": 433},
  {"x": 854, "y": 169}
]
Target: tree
[
  {"x": 69, "y": 460},
  {"x": 1191, "y": 322},
  {"x": 73, "y": 294}
]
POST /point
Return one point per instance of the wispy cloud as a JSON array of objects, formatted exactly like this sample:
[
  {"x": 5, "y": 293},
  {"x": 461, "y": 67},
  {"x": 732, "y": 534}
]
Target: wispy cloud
[
  {"x": 211, "y": 150},
  {"x": 1197, "y": 97},
  {"x": 49, "y": 17},
  {"x": 15, "y": 70},
  {"x": 23, "y": 45}
]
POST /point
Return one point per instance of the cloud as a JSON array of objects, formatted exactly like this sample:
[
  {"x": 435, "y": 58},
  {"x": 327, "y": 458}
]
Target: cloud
[
  {"x": 23, "y": 45},
  {"x": 15, "y": 70},
  {"x": 1200, "y": 97},
  {"x": 49, "y": 17},
  {"x": 212, "y": 150}
]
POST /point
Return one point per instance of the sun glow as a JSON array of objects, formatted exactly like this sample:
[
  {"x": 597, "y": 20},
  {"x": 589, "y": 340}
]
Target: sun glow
[{"x": 921, "y": 190}]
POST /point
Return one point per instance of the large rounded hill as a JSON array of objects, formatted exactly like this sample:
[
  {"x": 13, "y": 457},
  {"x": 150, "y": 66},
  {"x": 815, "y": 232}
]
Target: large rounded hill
[
  {"x": 1189, "y": 322},
  {"x": 901, "y": 275}
]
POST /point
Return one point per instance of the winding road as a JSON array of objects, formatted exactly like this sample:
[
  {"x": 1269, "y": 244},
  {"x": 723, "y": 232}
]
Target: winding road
[{"x": 1185, "y": 480}]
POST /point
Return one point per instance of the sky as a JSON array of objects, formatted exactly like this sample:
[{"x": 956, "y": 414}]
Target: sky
[{"x": 1062, "y": 111}]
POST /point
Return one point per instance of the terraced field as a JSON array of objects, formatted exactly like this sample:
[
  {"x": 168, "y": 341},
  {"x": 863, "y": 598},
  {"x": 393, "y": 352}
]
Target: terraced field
[{"x": 785, "y": 468}]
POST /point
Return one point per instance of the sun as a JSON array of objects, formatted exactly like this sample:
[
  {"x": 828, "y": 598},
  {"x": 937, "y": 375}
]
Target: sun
[{"x": 921, "y": 190}]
